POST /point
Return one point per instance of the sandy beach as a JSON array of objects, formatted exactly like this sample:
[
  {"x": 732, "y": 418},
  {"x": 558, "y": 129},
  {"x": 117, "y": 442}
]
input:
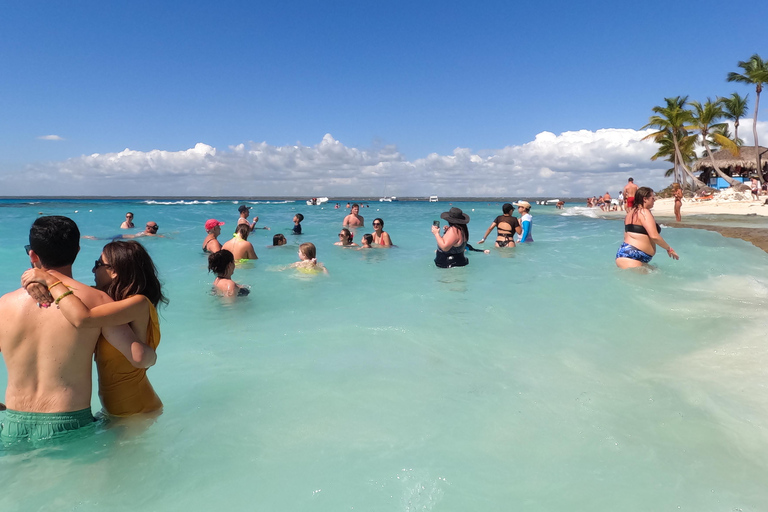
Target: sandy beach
[{"x": 709, "y": 215}]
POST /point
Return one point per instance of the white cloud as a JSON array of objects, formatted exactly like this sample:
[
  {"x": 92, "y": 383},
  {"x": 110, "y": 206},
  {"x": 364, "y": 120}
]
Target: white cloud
[
  {"x": 576, "y": 163},
  {"x": 50, "y": 137}
]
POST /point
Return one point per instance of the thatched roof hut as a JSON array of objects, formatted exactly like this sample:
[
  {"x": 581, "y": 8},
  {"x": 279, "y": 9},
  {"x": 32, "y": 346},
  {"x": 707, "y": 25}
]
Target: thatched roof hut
[{"x": 734, "y": 165}]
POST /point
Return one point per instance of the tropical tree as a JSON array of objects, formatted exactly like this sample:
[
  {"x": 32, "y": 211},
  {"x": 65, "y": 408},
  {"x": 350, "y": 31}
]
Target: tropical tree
[
  {"x": 734, "y": 108},
  {"x": 704, "y": 118},
  {"x": 755, "y": 73},
  {"x": 668, "y": 153},
  {"x": 670, "y": 121}
]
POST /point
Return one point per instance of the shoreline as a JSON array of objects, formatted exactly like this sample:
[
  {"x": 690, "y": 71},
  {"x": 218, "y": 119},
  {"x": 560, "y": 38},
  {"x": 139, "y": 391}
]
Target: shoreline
[{"x": 694, "y": 215}]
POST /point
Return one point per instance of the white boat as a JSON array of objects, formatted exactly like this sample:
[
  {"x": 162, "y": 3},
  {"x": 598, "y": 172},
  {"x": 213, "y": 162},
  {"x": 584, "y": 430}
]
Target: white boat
[
  {"x": 387, "y": 199},
  {"x": 548, "y": 201},
  {"x": 432, "y": 199},
  {"x": 315, "y": 201}
]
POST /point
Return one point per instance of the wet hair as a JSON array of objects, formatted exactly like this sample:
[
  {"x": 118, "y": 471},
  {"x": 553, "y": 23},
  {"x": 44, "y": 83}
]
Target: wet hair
[
  {"x": 55, "y": 239},
  {"x": 129, "y": 213},
  {"x": 300, "y": 217},
  {"x": 355, "y": 205},
  {"x": 380, "y": 220},
  {"x": 348, "y": 233},
  {"x": 219, "y": 261},
  {"x": 243, "y": 230},
  {"x": 135, "y": 271},
  {"x": 632, "y": 180},
  {"x": 506, "y": 208},
  {"x": 278, "y": 238},
  {"x": 641, "y": 195},
  {"x": 309, "y": 250},
  {"x": 368, "y": 238}
]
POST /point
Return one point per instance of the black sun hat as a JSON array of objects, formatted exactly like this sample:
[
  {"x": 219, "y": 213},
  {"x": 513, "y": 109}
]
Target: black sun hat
[{"x": 455, "y": 216}]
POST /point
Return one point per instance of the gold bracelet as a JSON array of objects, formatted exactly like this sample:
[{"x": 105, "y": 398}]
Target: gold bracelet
[
  {"x": 54, "y": 284},
  {"x": 68, "y": 292}
]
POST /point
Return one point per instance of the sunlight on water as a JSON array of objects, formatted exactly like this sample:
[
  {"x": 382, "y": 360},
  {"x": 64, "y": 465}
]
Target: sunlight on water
[{"x": 540, "y": 378}]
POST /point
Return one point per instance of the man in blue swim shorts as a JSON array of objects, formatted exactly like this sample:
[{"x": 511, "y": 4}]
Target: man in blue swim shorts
[{"x": 48, "y": 360}]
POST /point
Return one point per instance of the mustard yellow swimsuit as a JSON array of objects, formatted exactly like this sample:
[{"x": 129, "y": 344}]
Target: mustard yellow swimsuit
[{"x": 124, "y": 389}]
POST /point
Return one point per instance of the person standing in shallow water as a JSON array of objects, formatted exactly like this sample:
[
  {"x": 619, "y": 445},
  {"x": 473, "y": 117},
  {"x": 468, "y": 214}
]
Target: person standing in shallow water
[
  {"x": 128, "y": 222},
  {"x": 453, "y": 241},
  {"x": 641, "y": 233},
  {"x": 506, "y": 226},
  {"x": 526, "y": 221}
]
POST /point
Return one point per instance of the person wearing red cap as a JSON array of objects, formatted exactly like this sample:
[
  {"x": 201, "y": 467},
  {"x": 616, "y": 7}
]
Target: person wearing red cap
[{"x": 211, "y": 243}]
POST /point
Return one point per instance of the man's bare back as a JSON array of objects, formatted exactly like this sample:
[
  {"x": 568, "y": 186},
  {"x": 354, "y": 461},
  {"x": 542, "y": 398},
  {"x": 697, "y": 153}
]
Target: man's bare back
[
  {"x": 629, "y": 190},
  {"x": 48, "y": 360}
]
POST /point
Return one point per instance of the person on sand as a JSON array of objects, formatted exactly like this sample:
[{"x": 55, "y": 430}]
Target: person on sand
[
  {"x": 126, "y": 273},
  {"x": 345, "y": 238},
  {"x": 452, "y": 242},
  {"x": 48, "y": 394},
  {"x": 211, "y": 243},
  {"x": 506, "y": 226},
  {"x": 308, "y": 260},
  {"x": 354, "y": 220},
  {"x": 641, "y": 233},
  {"x": 222, "y": 264},
  {"x": 380, "y": 237},
  {"x": 128, "y": 222},
  {"x": 629, "y": 194},
  {"x": 755, "y": 186},
  {"x": 239, "y": 245},
  {"x": 677, "y": 192}
]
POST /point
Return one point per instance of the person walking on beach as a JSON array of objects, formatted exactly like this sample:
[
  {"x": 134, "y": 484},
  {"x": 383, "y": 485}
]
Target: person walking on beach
[
  {"x": 629, "y": 194},
  {"x": 128, "y": 222},
  {"x": 677, "y": 192},
  {"x": 48, "y": 359},
  {"x": 641, "y": 233},
  {"x": 354, "y": 220},
  {"x": 506, "y": 226}
]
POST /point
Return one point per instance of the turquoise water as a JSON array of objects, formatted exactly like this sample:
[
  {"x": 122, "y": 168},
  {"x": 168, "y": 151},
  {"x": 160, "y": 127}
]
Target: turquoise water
[{"x": 540, "y": 378}]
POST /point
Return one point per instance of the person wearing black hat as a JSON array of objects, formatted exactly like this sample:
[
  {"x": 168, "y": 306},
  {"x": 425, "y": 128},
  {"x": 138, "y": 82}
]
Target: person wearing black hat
[
  {"x": 506, "y": 226},
  {"x": 453, "y": 241},
  {"x": 245, "y": 211}
]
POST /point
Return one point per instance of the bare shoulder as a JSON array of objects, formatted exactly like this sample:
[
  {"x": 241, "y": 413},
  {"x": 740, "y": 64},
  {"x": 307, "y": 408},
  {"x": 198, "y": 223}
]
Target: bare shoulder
[{"x": 91, "y": 297}]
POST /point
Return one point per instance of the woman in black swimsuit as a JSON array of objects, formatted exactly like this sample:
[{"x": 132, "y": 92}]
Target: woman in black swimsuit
[
  {"x": 506, "y": 226},
  {"x": 453, "y": 242},
  {"x": 641, "y": 233},
  {"x": 211, "y": 243},
  {"x": 222, "y": 264}
]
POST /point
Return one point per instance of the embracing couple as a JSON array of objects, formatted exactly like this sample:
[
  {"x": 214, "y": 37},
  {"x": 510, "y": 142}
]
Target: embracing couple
[{"x": 53, "y": 325}]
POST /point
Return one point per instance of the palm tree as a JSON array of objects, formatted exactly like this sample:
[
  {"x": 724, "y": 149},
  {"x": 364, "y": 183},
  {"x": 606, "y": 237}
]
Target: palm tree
[
  {"x": 668, "y": 153},
  {"x": 704, "y": 118},
  {"x": 755, "y": 72},
  {"x": 735, "y": 107},
  {"x": 671, "y": 122}
]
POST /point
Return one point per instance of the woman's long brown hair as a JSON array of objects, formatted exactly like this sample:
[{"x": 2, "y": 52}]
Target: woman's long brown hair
[{"x": 136, "y": 272}]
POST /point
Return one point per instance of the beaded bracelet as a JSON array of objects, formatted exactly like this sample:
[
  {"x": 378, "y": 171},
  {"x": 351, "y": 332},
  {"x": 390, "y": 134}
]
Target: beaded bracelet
[
  {"x": 68, "y": 292},
  {"x": 54, "y": 284}
]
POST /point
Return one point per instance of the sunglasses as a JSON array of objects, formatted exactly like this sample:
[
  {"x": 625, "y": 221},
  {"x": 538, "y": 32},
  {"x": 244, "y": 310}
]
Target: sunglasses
[
  {"x": 377, "y": 223},
  {"x": 27, "y": 248},
  {"x": 99, "y": 263},
  {"x": 153, "y": 227}
]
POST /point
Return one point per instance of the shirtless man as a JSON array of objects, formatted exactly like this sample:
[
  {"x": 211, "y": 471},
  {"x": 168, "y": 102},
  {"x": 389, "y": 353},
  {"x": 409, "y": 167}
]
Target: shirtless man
[
  {"x": 607, "y": 202},
  {"x": 629, "y": 194},
  {"x": 48, "y": 360},
  {"x": 353, "y": 220},
  {"x": 245, "y": 211},
  {"x": 239, "y": 246}
]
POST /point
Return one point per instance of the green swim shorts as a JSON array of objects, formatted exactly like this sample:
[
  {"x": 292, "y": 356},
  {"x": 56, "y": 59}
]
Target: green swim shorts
[{"x": 41, "y": 426}]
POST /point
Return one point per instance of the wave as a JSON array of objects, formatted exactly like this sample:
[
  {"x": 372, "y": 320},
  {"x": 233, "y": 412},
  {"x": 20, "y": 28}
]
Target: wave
[
  {"x": 151, "y": 201},
  {"x": 583, "y": 211}
]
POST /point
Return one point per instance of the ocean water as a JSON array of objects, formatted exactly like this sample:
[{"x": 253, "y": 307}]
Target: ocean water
[{"x": 538, "y": 378}]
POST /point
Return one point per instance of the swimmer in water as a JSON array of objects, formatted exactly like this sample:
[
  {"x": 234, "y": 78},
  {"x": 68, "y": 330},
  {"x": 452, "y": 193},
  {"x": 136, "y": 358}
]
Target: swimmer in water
[
  {"x": 345, "y": 238},
  {"x": 367, "y": 241},
  {"x": 308, "y": 260},
  {"x": 222, "y": 264}
]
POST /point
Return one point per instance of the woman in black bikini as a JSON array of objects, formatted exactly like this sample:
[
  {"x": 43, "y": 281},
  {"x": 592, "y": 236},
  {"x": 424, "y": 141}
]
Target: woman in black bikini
[
  {"x": 506, "y": 226},
  {"x": 211, "y": 243},
  {"x": 641, "y": 233},
  {"x": 222, "y": 264}
]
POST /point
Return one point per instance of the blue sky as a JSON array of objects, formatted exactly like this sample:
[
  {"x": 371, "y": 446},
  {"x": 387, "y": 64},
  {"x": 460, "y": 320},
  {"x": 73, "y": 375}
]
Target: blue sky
[{"x": 345, "y": 98}]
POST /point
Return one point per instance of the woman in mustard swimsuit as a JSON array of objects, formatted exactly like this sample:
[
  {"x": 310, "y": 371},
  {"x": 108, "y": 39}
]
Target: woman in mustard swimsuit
[{"x": 126, "y": 273}]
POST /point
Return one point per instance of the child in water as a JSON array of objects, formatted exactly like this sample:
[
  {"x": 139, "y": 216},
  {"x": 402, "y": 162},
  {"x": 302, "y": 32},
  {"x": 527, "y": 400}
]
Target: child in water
[
  {"x": 308, "y": 259},
  {"x": 297, "y": 223},
  {"x": 367, "y": 241},
  {"x": 222, "y": 264}
]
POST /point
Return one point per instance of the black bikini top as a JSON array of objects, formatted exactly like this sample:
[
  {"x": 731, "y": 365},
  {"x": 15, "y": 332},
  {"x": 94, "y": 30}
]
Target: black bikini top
[{"x": 638, "y": 228}]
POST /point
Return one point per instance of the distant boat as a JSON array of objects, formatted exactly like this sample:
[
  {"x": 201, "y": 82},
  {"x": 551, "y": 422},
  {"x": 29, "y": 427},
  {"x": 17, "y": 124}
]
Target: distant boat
[
  {"x": 315, "y": 201},
  {"x": 432, "y": 199},
  {"x": 387, "y": 199},
  {"x": 548, "y": 201}
]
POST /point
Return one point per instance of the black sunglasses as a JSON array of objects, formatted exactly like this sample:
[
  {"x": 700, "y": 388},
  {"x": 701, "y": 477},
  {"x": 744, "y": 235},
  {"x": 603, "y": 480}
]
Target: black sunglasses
[
  {"x": 27, "y": 248},
  {"x": 98, "y": 263},
  {"x": 153, "y": 227}
]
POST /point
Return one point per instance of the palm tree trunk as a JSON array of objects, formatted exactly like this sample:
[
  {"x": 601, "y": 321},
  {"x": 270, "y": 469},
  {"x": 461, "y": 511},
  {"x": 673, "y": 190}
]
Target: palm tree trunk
[
  {"x": 732, "y": 182},
  {"x": 696, "y": 182},
  {"x": 754, "y": 133}
]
